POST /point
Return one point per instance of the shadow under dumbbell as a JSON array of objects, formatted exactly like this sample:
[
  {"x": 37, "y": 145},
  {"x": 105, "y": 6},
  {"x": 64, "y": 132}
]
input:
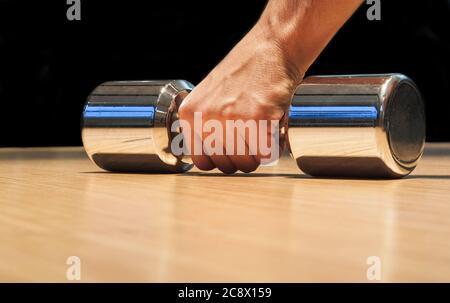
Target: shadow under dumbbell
[
  {"x": 303, "y": 176},
  {"x": 280, "y": 175},
  {"x": 272, "y": 175},
  {"x": 244, "y": 175},
  {"x": 435, "y": 177},
  {"x": 205, "y": 174},
  {"x": 266, "y": 175}
]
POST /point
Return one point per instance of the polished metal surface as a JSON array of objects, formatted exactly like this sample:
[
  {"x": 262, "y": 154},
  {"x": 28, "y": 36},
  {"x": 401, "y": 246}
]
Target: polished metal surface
[
  {"x": 357, "y": 126},
  {"x": 125, "y": 125}
]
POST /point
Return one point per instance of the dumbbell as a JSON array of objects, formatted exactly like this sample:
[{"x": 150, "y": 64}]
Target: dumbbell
[{"x": 367, "y": 126}]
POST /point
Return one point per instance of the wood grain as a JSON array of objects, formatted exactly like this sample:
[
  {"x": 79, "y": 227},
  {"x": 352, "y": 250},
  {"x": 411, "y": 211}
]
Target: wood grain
[{"x": 273, "y": 225}]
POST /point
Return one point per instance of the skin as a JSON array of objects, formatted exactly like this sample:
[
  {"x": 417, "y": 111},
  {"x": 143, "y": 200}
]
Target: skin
[{"x": 257, "y": 79}]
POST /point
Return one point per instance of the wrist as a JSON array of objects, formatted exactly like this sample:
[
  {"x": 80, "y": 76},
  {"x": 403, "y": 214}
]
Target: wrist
[
  {"x": 282, "y": 38},
  {"x": 288, "y": 23}
]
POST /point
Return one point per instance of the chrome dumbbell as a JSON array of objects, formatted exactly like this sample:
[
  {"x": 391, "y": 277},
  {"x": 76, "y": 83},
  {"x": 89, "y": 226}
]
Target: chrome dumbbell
[{"x": 343, "y": 126}]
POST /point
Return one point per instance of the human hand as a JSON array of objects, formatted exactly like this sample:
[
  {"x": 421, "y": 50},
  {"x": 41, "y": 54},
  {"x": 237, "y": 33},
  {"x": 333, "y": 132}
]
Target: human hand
[
  {"x": 254, "y": 83},
  {"x": 256, "y": 80}
]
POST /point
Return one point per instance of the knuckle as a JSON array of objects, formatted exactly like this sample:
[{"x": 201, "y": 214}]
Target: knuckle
[{"x": 185, "y": 110}]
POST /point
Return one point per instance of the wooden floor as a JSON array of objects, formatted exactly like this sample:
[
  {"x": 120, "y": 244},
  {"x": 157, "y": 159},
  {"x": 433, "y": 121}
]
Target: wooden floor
[{"x": 272, "y": 225}]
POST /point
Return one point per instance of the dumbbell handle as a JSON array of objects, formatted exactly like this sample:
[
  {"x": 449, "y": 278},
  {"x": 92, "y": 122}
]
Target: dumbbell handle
[{"x": 354, "y": 125}]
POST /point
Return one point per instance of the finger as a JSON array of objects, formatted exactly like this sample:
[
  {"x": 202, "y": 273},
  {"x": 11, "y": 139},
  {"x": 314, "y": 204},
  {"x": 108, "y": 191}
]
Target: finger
[
  {"x": 222, "y": 161},
  {"x": 224, "y": 164},
  {"x": 201, "y": 161},
  {"x": 213, "y": 152},
  {"x": 191, "y": 139},
  {"x": 244, "y": 161},
  {"x": 212, "y": 144}
]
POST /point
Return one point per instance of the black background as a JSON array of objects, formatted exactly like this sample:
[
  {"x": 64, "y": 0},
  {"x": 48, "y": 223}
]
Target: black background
[{"x": 48, "y": 65}]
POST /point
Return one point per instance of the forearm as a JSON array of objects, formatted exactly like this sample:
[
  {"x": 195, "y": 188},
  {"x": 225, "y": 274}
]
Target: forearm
[{"x": 304, "y": 27}]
